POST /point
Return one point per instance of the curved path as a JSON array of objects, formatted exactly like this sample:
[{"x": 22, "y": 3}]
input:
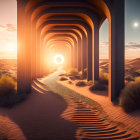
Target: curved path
[
  {"x": 64, "y": 115},
  {"x": 39, "y": 116},
  {"x": 92, "y": 122}
]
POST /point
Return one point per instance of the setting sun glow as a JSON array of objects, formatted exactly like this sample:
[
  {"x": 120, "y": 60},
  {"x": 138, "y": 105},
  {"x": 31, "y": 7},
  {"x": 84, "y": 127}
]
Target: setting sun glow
[
  {"x": 10, "y": 48},
  {"x": 59, "y": 59}
]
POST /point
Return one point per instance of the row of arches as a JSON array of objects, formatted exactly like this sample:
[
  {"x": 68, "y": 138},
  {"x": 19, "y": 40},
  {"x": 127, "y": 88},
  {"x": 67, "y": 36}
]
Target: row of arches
[{"x": 74, "y": 26}]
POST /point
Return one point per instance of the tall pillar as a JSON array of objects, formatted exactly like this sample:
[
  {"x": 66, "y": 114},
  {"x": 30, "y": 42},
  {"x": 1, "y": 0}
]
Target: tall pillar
[
  {"x": 95, "y": 53},
  {"x": 116, "y": 55},
  {"x": 84, "y": 53},
  {"x": 38, "y": 57},
  {"x": 33, "y": 57},
  {"x": 28, "y": 46},
  {"x": 23, "y": 77},
  {"x": 89, "y": 55},
  {"x": 79, "y": 54}
]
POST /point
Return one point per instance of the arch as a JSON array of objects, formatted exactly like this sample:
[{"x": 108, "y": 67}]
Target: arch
[{"x": 30, "y": 23}]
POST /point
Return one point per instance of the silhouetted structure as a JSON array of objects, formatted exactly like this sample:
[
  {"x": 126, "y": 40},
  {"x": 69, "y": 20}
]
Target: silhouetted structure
[{"x": 75, "y": 24}]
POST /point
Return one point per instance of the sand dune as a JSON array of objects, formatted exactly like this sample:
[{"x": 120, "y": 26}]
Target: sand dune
[{"x": 132, "y": 67}]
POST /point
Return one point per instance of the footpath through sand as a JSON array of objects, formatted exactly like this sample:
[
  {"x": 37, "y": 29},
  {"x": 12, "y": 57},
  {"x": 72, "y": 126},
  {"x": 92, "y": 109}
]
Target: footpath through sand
[
  {"x": 39, "y": 117},
  {"x": 116, "y": 113}
]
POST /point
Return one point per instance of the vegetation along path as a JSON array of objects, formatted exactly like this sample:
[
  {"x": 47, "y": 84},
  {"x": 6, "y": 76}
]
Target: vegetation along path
[{"x": 91, "y": 121}]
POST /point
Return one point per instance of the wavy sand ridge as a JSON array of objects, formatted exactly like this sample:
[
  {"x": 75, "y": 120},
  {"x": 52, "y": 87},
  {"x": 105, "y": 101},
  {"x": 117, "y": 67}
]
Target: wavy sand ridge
[
  {"x": 9, "y": 130},
  {"x": 90, "y": 118}
]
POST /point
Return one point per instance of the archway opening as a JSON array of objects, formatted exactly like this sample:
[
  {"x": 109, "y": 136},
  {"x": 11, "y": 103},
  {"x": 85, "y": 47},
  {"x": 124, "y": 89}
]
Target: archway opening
[{"x": 104, "y": 55}]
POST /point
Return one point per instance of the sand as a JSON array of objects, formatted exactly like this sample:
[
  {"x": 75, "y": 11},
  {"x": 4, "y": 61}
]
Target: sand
[{"x": 39, "y": 117}]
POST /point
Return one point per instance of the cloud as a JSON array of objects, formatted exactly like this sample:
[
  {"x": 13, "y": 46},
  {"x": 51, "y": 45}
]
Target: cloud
[
  {"x": 104, "y": 44},
  {"x": 2, "y": 28},
  {"x": 132, "y": 45},
  {"x": 11, "y": 27},
  {"x": 8, "y": 27}
]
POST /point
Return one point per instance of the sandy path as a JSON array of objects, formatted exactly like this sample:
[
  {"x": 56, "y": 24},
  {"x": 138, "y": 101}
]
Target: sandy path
[{"x": 39, "y": 118}]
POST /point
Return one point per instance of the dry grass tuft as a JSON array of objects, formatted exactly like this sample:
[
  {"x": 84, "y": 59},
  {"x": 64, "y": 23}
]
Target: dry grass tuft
[
  {"x": 9, "y": 130},
  {"x": 103, "y": 78},
  {"x": 129, "y": 78},
  {"x": 90, "y": 83},
  {"x": 81, "y": 83},
  {"x": 73, "y": 72},
  {"x": 70, "y": 82},
  {"x": 130, "y": 96},
  {"x": 7, "y": 86},
  {"x": 97, "y": 87},
  {"x": 63, "y": 79},
  {"x": 84, "y": 75},
  {"x": 8, "y": 95}
]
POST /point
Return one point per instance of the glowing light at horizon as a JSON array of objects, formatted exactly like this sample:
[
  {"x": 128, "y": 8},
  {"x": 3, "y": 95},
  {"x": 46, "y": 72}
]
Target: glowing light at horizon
[{"x": 59, "y": 59}]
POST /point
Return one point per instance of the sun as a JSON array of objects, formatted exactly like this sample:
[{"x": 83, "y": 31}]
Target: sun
[
  {"x": 136, "y": 24},
  {"x": 59, "y": 59},
  {"x": 10, "y": 48}
]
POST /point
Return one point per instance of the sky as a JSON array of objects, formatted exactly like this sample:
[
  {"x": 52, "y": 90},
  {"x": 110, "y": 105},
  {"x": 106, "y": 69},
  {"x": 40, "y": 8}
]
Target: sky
[{"x": 8, "y": 30}]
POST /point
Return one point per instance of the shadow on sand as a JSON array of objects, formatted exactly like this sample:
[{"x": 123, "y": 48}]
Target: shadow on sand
[{"x": 39, "y": 117}]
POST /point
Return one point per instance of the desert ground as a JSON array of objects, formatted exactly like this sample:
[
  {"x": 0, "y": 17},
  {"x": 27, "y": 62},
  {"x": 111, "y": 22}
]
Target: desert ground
[
  {"x": 132, "y": 67},
  {"x": 47, "y": 115}
]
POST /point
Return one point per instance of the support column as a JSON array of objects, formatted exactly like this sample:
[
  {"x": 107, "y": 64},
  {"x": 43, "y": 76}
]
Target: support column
[
  {"x": 89, "y": 55},
  {"x": 23, "y": 77},
  {"x": 95, "y": 52},
  {"x": 33, "y": 57},
  {"x": 116, "y": 55},
  {"x": 84, "y": 54},
  {"x": 79, "y": 54}
]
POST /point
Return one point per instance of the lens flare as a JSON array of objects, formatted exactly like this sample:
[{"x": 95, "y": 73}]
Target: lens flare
[{"x": 59, "y": 59}]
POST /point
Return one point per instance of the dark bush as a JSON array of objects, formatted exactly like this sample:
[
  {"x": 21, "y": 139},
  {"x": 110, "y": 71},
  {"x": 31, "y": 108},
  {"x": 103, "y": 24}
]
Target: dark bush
[
  {"x": 97, "y": 87},
  {"x": 72, "y": 78},
  {"x": 77, "y": 77},
  {"x": 12, "y": 99},
  {"x": 90, "y": 83},
  {"x": 70, "y": 82},
  {"x": 8, "y": 95},
  {"x": 130, "y": 96},
  {"x": 63, "y": 79},
  {"x": 129, "y": 78},
  {"x": 103, "y": 78},
  {"x": 84, "y": 74},
  {"x": 7, "y": 86},
  {"x": 81, "y": 83}
]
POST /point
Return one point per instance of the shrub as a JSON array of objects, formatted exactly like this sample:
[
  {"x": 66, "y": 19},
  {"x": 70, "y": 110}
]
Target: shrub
[
  {"x": 12, "y": 99},
  {"x": 81, "y": 83},
  {"x": 90, "y": 83},
  {"x": 129, "y": 78},
  {"x": 72, "y": 78},
  {"x": 7, "y": 86},
  {"x": 73, "y": 72},
  {"x": 9, "y": 130},
  {"x": 103, "y": 77},
  {"x": 70, "y": 82},
  {"x": 84, "y": 74},
  {"x": 77, "y": 77},
  {"x": 63, "y": 79},
  {"x": 8, "y": 95},
  {"x": 97, "y": 87},
  {"x": 130, "y": 96}
]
